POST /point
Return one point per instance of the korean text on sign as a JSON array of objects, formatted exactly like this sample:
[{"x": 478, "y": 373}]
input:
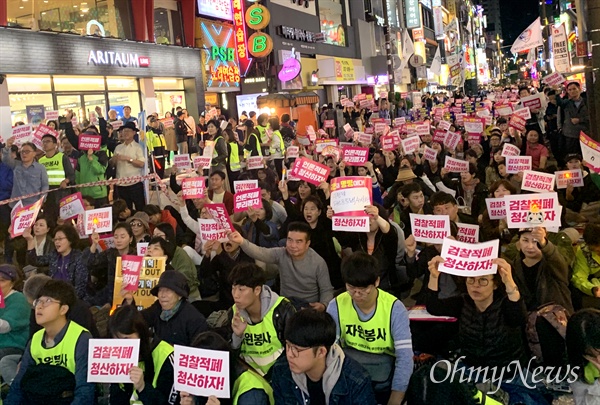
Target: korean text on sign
[
  {"x": 244, "y": 185},
  {"x": 469, "y": 260},
  {"x": 496, "y": 208},
  {"x": 532, "y": 210},
  {"x": 349, "y": 196},
  {"x": 537, "y": 181},
  {"x": 569, "y": 177},
  {"x": 516, "y": 164},
  {"x": 219, "y": 214},
  {"x": 130, "y": 268},
  {"x": 211, "y": 230},
  {"x": 310, "y": 171},
  {"x": 152, "y": 268},
  {"x": 456, "y": 165},
  {"x": 99, "y": 220},
  {"x": 468, "y": 233},
  {"x": 109, "y": 360},
  {"x": 255, "y": 162},
  {"x": 192, "y": 188},
  {"x": 87, "y": 142},
  {"x": 71, "y": 206},
  {"x": 182, "y": 161},
  {"x": 247, "y": 199},
  {"x": 430, "y": 228},
  {"x": 202, "y": 372},
  {"x": 24, "y": 217},
  {"x": 202, "y": 162},
  {"x": 355, "y": 155}
]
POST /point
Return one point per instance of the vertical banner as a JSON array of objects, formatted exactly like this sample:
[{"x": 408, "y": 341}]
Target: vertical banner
[{"x": 560, "y": 49}]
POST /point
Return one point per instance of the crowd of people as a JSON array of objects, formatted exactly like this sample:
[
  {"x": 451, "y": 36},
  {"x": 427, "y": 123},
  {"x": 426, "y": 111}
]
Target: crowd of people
[{"x": 308, "y": 314}]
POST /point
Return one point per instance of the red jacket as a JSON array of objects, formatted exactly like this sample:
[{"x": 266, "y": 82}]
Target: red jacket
[
  {"x": 227, "y": 200},
  {"x": 168, "y": 218}
]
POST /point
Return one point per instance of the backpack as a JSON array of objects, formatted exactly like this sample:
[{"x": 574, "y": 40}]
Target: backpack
[{"x": 557, "y": 317}]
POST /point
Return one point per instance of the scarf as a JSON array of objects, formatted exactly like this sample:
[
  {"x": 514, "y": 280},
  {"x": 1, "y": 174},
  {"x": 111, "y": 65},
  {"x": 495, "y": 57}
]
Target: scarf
[{"x": 167, "y": 314}]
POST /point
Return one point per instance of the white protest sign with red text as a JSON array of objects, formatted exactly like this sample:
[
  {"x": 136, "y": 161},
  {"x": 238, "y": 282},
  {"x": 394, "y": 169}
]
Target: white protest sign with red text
[
  {"x": 24, "y": 217},
  {"x": 453, "y": 165},
  {"x": 524, "y": 113},
  {"x": 451, "y": 140},
  {"x": 430, "y": 228},
  {"x": 554, "y": 79},
  {"x": 469, "y": 260},
  {"x": 517, "y": 123},
  {"x": 430, "y": 154},
  {"x": 99, "y": 220},
  {"x": 532, "y": 210},
  {"x": 193, "y": 187},
  {"x": 355, "y": 155},
  {"x": 496, "y": 208},
  {"x": 474, "y": 125},
  {"x": 202, "y": 372},
  {"x": 566, "y": 177},
  {"x": 142, "y": 248},
  {"x": 87, "y": 142},
  {"x": 202, "y": 162},
  {"x": 71, "y": 206},
  {"x": 534, "y": 102},
  {"x": 109, "y": 360},
  {"x": 363, "y": 138},
  {"x": 411, "y": 144},
  {"x": 310, "y": 171},
  {"x": 22, "y": 134},
  {"x": 292, "y": 152},
  {"x": 247, "y": 199},
  {"x": 51, "y": 115},
  {"x": 211, "y": 230},
  {"x": 516, "y": 164},
  {"x": 468, "y": 233},
  {"x": 444, "y": 125},
  {"x": 130, "y": 268},
  {"x": 182, "y": 161},
  {"x": 255, "y": 162},
  {"x": 590, "y": 150},
  {"x": 537, "y": 181},
  {"x": 349, "y": 196},
  {"x": 219, "y": 214},
  {"x": 243, "y": 185},
  {"x": 510, "y": 150}
]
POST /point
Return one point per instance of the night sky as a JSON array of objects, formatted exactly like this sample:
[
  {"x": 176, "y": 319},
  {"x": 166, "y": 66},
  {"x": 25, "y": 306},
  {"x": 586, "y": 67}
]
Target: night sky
[{"x": 516, "y": 16}]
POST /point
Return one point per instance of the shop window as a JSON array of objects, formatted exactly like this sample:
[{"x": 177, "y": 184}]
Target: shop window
[
  {"x": 167, "y": 83},
  {"x": 332, "y": 26},
  {"x": 29, "y": 107},
  {"x": 118, "y": 100},
  {"x": 22, "y": 83},
  {"x": 168, "y": 29},
  {"x": 122, "y": 83},
  {"x": 106, "y": 18},
  {"x": 79, "y": 83},
  {"x": 168, "y": 100}
]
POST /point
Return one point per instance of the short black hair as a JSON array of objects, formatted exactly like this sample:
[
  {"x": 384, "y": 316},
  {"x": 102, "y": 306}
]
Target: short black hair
[
  {"x": 54, "y": 140},
  {"x": 285, "y": 118},
  {"x": 247, "y": 274},
  {"x": 441, "y": 198},
  {"x": 167, "y": 229},
  {"x": 91, "y": 201},
  {"x": 268, "y": 209},
  {"x": 574, "y": 84},
  {"x": 274, "y": 123},
  {"x": 583, "y": 336},
  {"x": 61, "y": 291},
  {"x": 152, "y": 209},
  {"x": 410, "y": 188},
  {"x": 360, "y": 269},
  {"x": 590, "y": 235},
  {"x": 219, "y": 173},
  {"x": 302, "y": 227},
  {"x": 310, "y": 328},
  {"x": 70, "y": 233},
  {"x": 252, "y": 114},
  {"x": 167, "y": 246},
  {"x": 501, "y": 121}
]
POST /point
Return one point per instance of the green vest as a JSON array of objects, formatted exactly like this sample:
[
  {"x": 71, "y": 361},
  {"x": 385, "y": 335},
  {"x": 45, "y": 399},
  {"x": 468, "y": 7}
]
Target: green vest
[
  {"x": 215, "y": 154},
  {"x": 160, "y": 354},
  {"x": 263, "y": 133},
  {"x": 261, "y": 346},
  {"x": 234, "y": 157},
  {"x": 250, "y": 380},
  {"x": 63, "y": 354},
  {"x": 373, "y": 335},
  {"x": 54, "y": 168},
  {"x": 281, "y": 147},
  {"x": 247, "y": 153}
]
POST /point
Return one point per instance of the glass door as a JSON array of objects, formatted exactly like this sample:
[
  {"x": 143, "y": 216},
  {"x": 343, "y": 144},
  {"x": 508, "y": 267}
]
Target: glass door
[
  {"x": 90, "y": 102},
  {"x": 70, "y": 102}
]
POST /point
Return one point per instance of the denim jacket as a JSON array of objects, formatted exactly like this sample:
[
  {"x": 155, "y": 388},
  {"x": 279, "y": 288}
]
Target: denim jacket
[{"x": 352, "y": 386}]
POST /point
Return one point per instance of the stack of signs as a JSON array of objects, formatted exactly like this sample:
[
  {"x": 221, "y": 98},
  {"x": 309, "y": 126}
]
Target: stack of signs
[
  {"x": 244, "y": 185},
  {"x": 211, "y": 230},
  {"x": 355, "y": 155},
  {"x": 496, "y": 208},
  {"x": 532, "y": 210},
  {"x": 453, "y": 165},
  {"x": 565, "y": 178},
  {"x": 516, "y": 164},
  {"x": 219, "y": 213},
  {"x": 202, "y": 372},
  {"x": 71, "y": 206},
  {"x": 244, "y": 200},
  {"x": 310, "y": 171},
  {"x": 109, "y": 360},
  {"x": 469, "y": 260},
  {"x": 193, "y": 188},
  {"x": 24, "y": 217},
  {"x": 430, "y": 228},
  {"x": 150, "y": 271},
  {"x": 349, "y": 197},
  {"x": 537, "y": 181},
  {"x": 202, "y": 162},
  {"x": 98, "y": 220}
]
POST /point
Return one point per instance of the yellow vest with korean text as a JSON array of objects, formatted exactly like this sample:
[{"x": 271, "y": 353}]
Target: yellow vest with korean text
[
  {"x": 63, "y": 354},
  {"x": 234, "y": 157},
  {"x": 54, "y": 168},
  {"x": 373, "y": 335},
  {"x": 261, "y": 346},
  {"x": 250, "y": 380}
]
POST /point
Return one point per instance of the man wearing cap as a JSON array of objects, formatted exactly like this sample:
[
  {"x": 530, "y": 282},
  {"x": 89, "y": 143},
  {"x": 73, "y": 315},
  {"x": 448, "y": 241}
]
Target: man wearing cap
[
  {"x": 129, "y": 159},
  {"x": 59, "y": 169}
]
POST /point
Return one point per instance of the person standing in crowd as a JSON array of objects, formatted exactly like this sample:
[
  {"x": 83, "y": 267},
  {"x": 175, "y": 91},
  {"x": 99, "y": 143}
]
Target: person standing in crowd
[
  {"x": 277, "y": 148},
  {"x": 127, "y": 117},
  {"x": 219, "y": 154},
  {"x": 217, "y": 192},
  {"x": 261, "y": 127},
  {"x": 59, "y": 169},
  {"x": 14, "y": 313},
  {"x": 170, "y": 136},
  {"x": 190, "y": 125},
  {"x": 586, "y": 270},
  {"x": 129, "y": 159},
  {"x": 91, "y": 167},
  {"x": 251, "y": 140},
  {"x": 181, "y": 133},
  {"x": 287, "y": 131},
  {"x": 156, "y": 145},
  {"x": 574, "y": 109}
]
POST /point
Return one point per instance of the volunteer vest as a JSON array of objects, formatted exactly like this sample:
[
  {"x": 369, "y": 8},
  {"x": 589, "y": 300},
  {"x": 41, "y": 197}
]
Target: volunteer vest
[
  {"x": 215, "y": 154},
  {"x": 248, "y": 153},
  {"x": 250, "y": 380},
  {"x": 261, "y": 346},
  {"x": 281, "y": 148},
  {"x": 54, "y": 168},
  {"x": 63, "y": 354},
  {"x": 373, "y": 335},
  {"x": 263, "y": 133},
  {"x": 234, "y": 157},
  {"x": 160, "y": 354}
]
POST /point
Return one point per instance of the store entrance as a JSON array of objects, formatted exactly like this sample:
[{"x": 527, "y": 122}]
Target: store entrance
[{"x": 81, "y": 104}]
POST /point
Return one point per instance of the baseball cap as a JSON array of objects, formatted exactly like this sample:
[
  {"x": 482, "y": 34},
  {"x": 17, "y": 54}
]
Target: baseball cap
[{"x": 572, "y": 156}]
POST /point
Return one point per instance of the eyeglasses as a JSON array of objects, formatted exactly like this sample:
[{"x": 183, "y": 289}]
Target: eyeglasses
[
  {"x": 294, "y": 350},
  {"x": 26, "y": 151},
  {"x": 44, "y": 301},
  {"x": 358, "y": 290},
  {"x": 136, "y": 224},
  {"x": 58, "y": 239},
  {"x": 483, "y": 282}
]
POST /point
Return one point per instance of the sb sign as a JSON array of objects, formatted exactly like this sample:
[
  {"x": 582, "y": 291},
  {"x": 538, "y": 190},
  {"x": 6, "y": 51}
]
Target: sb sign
[{"x": 260, "y": 44}]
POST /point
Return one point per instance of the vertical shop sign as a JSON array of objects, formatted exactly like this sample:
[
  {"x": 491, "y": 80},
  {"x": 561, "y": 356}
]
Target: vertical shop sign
[
  {"x": 241, "y": 39},
  {"x": 413, "y": 13}
]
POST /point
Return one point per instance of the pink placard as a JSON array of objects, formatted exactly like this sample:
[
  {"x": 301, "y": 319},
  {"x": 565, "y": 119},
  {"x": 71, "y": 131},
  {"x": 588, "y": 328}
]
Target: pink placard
[
  {"x": 517, "y": 123},
  {"x": 390, "y": 141},
  {"x": 130, "y": 268},
  {"x": 87, "y": 142},
  {"x": 310, "y": 171},
  {"x": 355, "y": 155},
  {"x": 192, "y": 188},
  {"x": 219, "y": 214},
  {"x": 329, "y": 124},
  {"x": 247, "y": 199}
]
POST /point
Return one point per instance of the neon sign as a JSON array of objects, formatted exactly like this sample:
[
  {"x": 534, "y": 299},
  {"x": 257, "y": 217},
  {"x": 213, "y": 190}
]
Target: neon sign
[
  {"x": 260, "y": 44},
  {"x": 218, "y": 55},
  {"x": 241, "y": 39}
]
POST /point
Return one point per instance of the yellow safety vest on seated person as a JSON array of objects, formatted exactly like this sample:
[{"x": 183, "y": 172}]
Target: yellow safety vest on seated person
[
  {"x": 215, "y": 154},
  {"x": 280, "y": 150},
  {"x": 234, "y": 157},
  {"x": 63, "y": 354},
  {"x": 372, "y": 336},
  {"x": 261, "y": 346},
  {"x": 250, "y": 380},
  {"x": 54, "y": 168},
  {"x": 160, "y": 354}
]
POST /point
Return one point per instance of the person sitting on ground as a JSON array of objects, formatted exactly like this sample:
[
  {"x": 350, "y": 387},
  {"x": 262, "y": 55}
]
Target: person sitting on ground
[{"x": 586, "y": 270}]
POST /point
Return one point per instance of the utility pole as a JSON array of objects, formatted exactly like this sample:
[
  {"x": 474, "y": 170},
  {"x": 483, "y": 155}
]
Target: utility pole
[
  {"x": 593, "y": 86},
  {"x": 388, "y": 51}
]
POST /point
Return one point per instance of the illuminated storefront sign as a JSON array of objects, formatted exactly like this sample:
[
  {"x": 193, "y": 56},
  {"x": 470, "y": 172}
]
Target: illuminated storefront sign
[
  {"x": 122, "y": 59},
  {"x": 241, "y": 39},
  {"x": 218, "y": 55},
  {"x": 413, "y": 13},
  {"x": 215, "y": 8},
  {"x": 260, "y": 44}
]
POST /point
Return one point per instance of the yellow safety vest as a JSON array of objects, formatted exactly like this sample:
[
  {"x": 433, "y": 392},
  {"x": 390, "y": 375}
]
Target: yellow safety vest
[
  {"x": 488, "y": 400},
  {"x": 281, "y": 144},
  {"x": 261, "y": 346},
  {"x": 373, "y": 335},
  {"x": 160, "y": 354},
  {"x": 250, "y": 380},
  {"x": 234, "y": 157},
  {"x": 263, "y": 133},
  {"x": 54, "y": 168},
  {"x": 247, "y": 153},
  {"x": 215, "y": 154},
  {"x": 63, "y": 354}
]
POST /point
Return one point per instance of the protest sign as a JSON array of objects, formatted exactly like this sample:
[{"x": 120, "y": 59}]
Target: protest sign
[
  {"x": 469, "y": 260},
  {"x": 255, "y": 162},
  {"x": 451, "y": 140},
  {"x": 422, "y": 129},
  {"x": 510, "y": 150},
  {"x": 460, "y": 119},
  {"x": 430, "y": 228},
  {"x": 390, "y": 141},
  {"x": 517, "y": 123},
  {"x": 211, "y": 230},
  {"x": 310, "y": 171},
  {"x": 566, "y": 177},
  {"x": 202, "y": 372},
  {"x": 355, "y": 155},
  {"x": 430, "y": 154},
  {"x": 532, "y": 210},
  {"x": 439, "y": 136},
  {"x": 554, "y": 79},
  {"x": 368, "y": 130},
  {"x": 537, "y": 181},
  {"x": 209, "y": 148},
  {"x": 524, "y": 113},
  {"x": 453, "y": 165},
  {"x": 349, "y": 196},
  {"x": 109, "y": 360},
  {"x": 399, "y": 121},
  {"x": 350, "y": 224},
  {"x": 468, "y": 233},
  {"x": 152, "y": 268},
  {"x": 116, "y": 124},
  {"x": 99, "y": 220},
  {"x": 333, "y": 151},
  {"x": 70, "y": 206},
  {"x": 142, "y": 248},
  {"x": 168, "y": 122},
  {"x": 496, "y": 208},
  {"x": 363, "y": 138},
  {"x": 24, "y": 217},
  {"x": 22, "y": 134},
  {"x": 516, "y": 164},
  {"x": 503, "y": 109},
  {"x": 533, "y": 102},
  {"x": 292, "y": 152},
  {"x": 591, "y": 152},
  {"x": 473, "y": 139},
  {"x": 107, "y": 240},
  {"x": 329, "y": 124},
  {"x": 182, "y": 161},
  {"x": 87, "y": 142},
  {"x": 219, "y": 213},
  {"x": 130, "y": 268},
  {"x": 247, "y": 199},
  {"x": 380, "y": 128},
  {"x": 411, "y": 144},
  {"x": 193, "y": 187},
  {"x": 243, "y": 185},
  {"x": 320, "y": 144},
  {"x": 444, "y": 125},
  {"x": 473, "y": 125},
  {"x": 202, "y": 162},
  {"x": 51, "y": 115}
]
